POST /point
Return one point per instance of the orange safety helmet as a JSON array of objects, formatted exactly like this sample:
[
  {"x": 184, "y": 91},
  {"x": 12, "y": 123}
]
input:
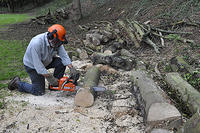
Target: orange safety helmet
[{"x": 57, "y": 31}]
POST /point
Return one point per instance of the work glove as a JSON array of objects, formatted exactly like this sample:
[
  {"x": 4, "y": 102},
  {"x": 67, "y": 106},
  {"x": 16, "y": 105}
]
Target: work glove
[
  {"x": 52, "y": 80},
  {"x": 74, "y": 74}
]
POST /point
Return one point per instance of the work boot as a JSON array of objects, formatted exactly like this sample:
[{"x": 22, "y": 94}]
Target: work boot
[{"x": 13, "y": 83}]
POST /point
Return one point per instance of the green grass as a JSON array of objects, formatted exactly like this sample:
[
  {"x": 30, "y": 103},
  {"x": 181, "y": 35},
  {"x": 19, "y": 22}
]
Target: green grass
[
  {"x": 3, "y": 86},
  {"x": 11, "y": 55},
  {"x": 13, "y": 18}
]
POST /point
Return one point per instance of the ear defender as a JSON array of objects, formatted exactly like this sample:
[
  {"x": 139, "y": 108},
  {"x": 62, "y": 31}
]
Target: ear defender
[{"x": 50, "y": 35}]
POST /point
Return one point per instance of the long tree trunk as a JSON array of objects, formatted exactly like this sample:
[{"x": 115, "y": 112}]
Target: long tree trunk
[
  {"x": 10, "y": 5},
  {"x": 76, "y": 13}
]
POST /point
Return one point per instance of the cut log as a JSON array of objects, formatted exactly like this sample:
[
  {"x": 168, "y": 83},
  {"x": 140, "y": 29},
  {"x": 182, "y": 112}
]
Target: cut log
[
  {"x": 113, "y": 60},
  {"x": 164, "y": 112},
  {"x": 85, "y": 95},
  {"x": 192, "y": 125},
  {"x": 189, "y": 95},
  {"x": 107, "y": 69},
  {"x": 160, "y": 131},
  {"x": 91, "y": 78},
  {"x": 152, "y": 101},
  {"x": 116, "y": 46},
  {"x": 94, "y": 38}
]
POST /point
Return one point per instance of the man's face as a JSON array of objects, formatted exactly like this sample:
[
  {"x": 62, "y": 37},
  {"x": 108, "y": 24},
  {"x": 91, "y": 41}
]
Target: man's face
[{"x": 55, "y": 43}]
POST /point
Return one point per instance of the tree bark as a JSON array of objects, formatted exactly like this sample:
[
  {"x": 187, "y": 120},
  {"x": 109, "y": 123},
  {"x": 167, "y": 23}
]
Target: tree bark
[
  {"x": 11, "y": 6},
  {"x": 189, "y": 94},
  {"x": 151, "y": 99},
  {"x": 192, "y": 125},
  {"x": 76, "y": 13}
]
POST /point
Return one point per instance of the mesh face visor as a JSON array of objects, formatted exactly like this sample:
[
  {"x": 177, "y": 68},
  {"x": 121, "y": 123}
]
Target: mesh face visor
[{"x": 57, "y": 42}]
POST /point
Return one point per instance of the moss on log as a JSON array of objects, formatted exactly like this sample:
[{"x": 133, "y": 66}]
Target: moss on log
[
  {"x": 91, "y": 78},
  {"x": 189, "y": 95},
  {"x": 178, "y": 64}
]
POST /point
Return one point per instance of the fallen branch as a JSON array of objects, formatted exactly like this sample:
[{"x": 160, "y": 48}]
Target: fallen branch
[
  {"x": 138, "y": 30},
  {"x": 170, "y": 32},
  {"x": 143, "y": 37},
  {"x": 157, "y": 71},
  {"x": 161, "y": 39},
  {"x": 172, "y": 24},
  {"x": 148, "y": 41},
  {"x": 182, "y": 22},
  {"x": 184, "y": 40},
  {"x": 131, "y": 35}
]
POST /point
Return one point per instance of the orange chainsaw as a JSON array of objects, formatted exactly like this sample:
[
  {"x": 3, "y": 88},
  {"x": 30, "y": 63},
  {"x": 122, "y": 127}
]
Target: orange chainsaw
[
  {"x": 65, "y": 84},
  {"x": 68, "y": 84}
]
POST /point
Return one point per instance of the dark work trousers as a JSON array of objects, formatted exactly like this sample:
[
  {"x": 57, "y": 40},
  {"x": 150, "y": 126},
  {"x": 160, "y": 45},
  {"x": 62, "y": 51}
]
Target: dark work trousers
[{"x": 38, "y": 81}]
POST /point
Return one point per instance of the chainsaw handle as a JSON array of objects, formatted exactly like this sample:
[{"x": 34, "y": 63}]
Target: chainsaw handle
[
  {"x": 65, "y": 82},
  {"x": 74, "y": 79}
]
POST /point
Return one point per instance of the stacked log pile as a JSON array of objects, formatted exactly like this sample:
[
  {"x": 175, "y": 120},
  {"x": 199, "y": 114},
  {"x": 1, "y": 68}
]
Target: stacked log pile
[
  {"x": 112, "y": 45},
  {"x": 56, "y": 16},
  {"x": 44, "y": 19},
  {"x": 107, "y": 46}
]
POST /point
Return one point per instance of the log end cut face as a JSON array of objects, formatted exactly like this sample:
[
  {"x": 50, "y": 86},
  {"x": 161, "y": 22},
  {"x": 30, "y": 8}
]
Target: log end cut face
[
  {"x": 162, "y": 112},
  {"x": 84, "y": 98}
]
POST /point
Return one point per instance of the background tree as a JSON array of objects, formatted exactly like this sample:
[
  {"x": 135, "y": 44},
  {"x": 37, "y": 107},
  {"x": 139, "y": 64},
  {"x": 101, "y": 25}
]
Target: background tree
[{"x": 76, "y": 13}]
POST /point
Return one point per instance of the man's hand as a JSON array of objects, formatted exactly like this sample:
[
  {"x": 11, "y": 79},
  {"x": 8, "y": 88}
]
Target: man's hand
[{"x": 52, "y": 80}]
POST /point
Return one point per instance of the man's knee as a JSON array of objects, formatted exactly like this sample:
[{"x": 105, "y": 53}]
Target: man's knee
[{"x": 38, "y": 91}]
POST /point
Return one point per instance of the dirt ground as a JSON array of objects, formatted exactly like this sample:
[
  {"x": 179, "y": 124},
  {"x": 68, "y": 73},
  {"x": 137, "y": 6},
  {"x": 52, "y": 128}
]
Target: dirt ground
[
  {"x": 58, "y": 114},
  {"x": 113, "y": 111}
]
